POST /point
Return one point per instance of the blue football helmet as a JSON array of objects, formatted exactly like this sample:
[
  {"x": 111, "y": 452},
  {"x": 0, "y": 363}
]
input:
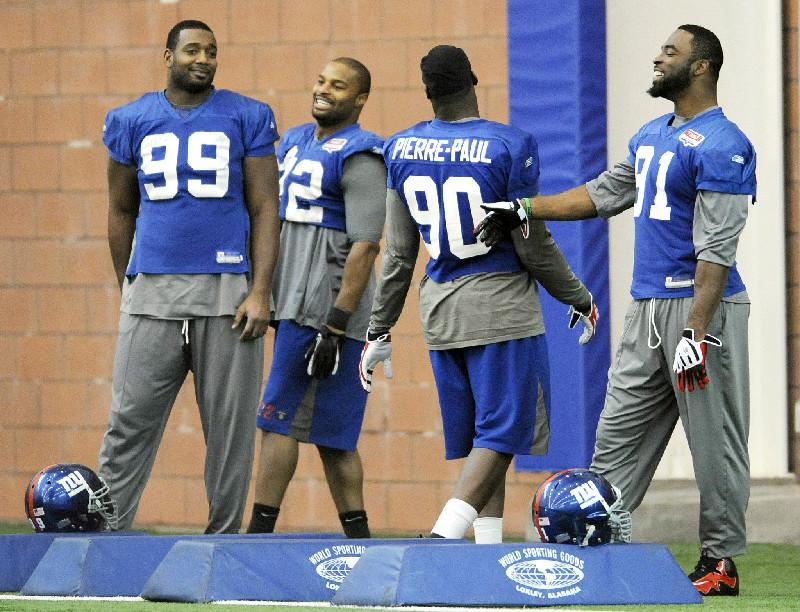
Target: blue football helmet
[
  {"x": 69, "y": 497},
  {"x": 579, "y": 507}
]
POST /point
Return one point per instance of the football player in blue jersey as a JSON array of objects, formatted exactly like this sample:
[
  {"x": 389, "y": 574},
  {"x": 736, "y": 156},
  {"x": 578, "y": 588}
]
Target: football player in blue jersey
[
  {"x": 479, "y": 305},
  {"x": 193, "y": 232},
  {"x": 690, "y": 178},
  {"x": 332, "y": 208}
]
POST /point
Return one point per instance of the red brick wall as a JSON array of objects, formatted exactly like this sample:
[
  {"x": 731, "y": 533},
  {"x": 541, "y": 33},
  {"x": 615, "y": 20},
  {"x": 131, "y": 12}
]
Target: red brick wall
[{"x": 63, "y": 64}]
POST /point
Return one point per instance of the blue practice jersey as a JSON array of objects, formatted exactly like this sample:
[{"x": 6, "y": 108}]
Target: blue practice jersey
[
  {"x": 311, "y": 173},
  {"x": 707, "y": 153},
  {"x": 192, "y": 213},
  {"x": 443, "y": 171}
]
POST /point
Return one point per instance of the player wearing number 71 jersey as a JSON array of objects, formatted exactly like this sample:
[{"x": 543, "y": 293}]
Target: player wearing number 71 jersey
[
  {"x": 193, "y": 234},
  {"x": 479, "y": 304},
  {"x": 689, "y": 177}
]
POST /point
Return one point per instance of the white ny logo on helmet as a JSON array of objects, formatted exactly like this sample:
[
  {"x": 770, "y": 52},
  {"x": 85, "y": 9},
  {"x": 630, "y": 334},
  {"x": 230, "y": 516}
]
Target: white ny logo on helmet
[
  {"x": 74, "y": 483},
  {"x": 587, "y": 494}
]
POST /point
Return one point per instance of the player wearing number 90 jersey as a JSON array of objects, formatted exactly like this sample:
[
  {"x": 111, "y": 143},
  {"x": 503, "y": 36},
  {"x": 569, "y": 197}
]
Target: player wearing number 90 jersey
[
  {"x": 443, "y": 171},
  {"x": 192, "y": 216},
  {"x": 479, "y": 305}
]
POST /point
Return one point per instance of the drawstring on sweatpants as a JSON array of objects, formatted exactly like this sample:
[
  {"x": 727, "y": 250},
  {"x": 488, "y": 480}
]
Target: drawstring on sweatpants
[
  {"x": 187, "y": 350},
  {"x": 651, "y": 328}
]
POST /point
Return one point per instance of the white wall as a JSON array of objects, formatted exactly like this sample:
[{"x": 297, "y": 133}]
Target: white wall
[{"x": 750, "y": 93}]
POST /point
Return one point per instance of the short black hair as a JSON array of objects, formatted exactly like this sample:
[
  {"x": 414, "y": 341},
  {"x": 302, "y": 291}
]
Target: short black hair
[
  {"x": 446, "y": 71},
  {"x": 186, "y": 24},
  {"x": 364, "y": 77},
  {"x": 705, "y": 45}
]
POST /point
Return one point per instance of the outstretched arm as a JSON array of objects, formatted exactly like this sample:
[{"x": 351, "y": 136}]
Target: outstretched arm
[
  {"x": 571, "y": 205},
  {"x": 607, "y": 195}
]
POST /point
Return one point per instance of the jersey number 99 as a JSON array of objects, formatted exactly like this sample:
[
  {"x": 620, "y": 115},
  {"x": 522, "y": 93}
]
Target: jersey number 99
[{"x": 168, "y": 165}]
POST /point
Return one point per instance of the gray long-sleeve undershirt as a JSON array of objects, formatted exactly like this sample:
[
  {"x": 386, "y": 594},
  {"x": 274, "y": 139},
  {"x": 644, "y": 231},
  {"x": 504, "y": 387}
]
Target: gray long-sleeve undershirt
[{"x": 476, "y": 309}]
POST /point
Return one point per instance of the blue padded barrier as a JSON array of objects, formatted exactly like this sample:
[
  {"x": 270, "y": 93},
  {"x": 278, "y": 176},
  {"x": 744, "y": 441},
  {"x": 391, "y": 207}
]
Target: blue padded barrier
[
  {"x": 103, "y": 565},
  {"x": 516, "y": 575},
  {"x": 21, "y": 553},
  {"x": 299, "y": 570}
]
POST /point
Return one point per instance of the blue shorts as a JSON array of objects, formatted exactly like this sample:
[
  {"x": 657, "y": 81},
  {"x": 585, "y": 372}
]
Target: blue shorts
[
  {"x": 489, "y": 395},
  {"x": 326, "y": 412}
]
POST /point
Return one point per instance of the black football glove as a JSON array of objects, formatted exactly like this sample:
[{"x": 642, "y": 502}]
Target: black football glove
[
  {"x": 323, "y": 355},
  {"x": 502, "y": 217}
]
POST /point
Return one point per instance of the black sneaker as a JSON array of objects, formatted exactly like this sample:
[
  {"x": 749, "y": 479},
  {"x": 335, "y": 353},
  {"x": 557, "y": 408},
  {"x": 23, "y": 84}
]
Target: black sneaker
[{"x": 715, "y": 576}]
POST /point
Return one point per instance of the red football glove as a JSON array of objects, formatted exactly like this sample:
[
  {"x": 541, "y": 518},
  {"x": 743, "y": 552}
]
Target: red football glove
[{"x": 690, "y": 360}]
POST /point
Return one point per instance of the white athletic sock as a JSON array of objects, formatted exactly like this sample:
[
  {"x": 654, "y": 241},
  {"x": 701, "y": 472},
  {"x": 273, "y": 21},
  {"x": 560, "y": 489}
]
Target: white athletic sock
[
  {"x": 488, "y": 530},
  {"x": 455, "y": 519}
]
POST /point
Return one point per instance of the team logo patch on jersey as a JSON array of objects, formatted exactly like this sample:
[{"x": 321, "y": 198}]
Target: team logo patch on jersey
[
  {"x": 737, "y": 159},
  {"x": 690, "y": 138},
  {"x": 334, "y": 144},
  {"x": 529, "y": 162}
]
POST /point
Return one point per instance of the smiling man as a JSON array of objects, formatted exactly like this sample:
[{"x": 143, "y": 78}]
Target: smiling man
[
  {"x": 689, "y": 177},
  {"x": 193, "y": 233},
  {"x": 333, "y": 190}
]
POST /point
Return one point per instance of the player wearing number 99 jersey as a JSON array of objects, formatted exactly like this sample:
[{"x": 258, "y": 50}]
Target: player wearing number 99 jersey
[
  {"x": 479, "y": 305},
  {"x": 192, "y": 214},
  {"x": 443, "y": 171},
  {"x": 193, "y": 234}
]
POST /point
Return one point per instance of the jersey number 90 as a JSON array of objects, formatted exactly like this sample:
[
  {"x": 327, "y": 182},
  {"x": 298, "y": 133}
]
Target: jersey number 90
[
  {"x": 430, "y": 218},
  {"x": 195, "y": 158}
]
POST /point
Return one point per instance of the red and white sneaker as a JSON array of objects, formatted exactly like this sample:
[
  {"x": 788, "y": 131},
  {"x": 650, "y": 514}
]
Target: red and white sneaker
[{"x": 715, "y": 576}]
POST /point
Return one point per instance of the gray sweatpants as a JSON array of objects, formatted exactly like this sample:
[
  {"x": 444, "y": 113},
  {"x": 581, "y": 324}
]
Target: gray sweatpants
[
  {"x": 643, "y": 405},
  {"x": 152, "y": 361}
]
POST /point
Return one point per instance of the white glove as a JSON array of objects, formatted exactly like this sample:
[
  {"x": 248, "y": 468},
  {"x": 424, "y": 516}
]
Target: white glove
[
  {"x": 690, "y": 353},
  {"x": 377, "y": 349},
  {"x": 589, "y": 320}
]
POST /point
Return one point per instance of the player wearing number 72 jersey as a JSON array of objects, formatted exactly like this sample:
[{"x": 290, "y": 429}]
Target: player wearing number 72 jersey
[
  {"x": 689, "y": 178},
  {"x": 193, "y": 234},
  {"x": 479, "y": 305}
]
